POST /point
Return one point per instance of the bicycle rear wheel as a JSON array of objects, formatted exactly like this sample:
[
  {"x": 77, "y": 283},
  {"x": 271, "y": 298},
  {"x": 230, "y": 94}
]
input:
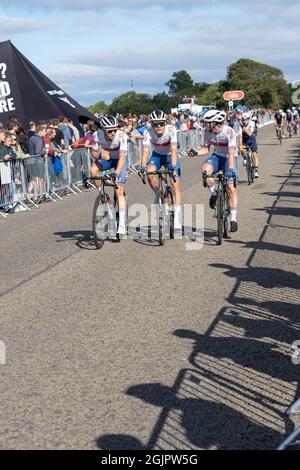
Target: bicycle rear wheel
[
  {"x": 220, "y": 213},
  {"x": 249, "y": 168},
  {"x": 100, "y": 221}
]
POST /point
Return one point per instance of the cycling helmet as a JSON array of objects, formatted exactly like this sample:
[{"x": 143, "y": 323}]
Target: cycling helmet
[
  {"x": 109, "y": 122},
  {"x": 294, "y": 108},
  {"x": 288, "y": 110},
  {"x": 245, "y": 116},
  {"x": 157, "y": 115},
  {"x": 214, "y": 115}
]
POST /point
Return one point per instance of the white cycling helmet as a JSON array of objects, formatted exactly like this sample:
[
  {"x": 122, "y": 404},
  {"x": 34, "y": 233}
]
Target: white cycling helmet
[
  {"x": 109, "y": 122},
  {"x": 245, "y": 116},
  {"x": 214, "y": 115},
  {"x": 157, "y": 116},
  {"x": 294, "y": 108},
  {"x": 288, "y": 110}
]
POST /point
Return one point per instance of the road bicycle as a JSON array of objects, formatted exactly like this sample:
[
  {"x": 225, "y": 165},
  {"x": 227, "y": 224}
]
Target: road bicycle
[
  {"x": 249, "y": 165},
  {"x": 222, "y": 209},
  {"x": 105, "y": 218},
  {"x": 165, "y": 203},
  {"x": 289, "y": 129},
  {"x": 279, "y": 134}
]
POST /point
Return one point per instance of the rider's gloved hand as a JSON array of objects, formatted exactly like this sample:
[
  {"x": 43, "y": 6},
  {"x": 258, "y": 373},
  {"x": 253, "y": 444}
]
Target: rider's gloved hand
[
  {"x": 142, "y": 169},
  {"x": 229, "y": 173}
]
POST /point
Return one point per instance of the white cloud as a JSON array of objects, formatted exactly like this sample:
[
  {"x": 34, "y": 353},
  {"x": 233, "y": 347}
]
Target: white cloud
[{"x": 13, "y": 25}]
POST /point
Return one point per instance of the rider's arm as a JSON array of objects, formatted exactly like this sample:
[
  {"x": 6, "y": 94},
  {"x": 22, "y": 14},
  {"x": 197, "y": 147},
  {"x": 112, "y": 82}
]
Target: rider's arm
[
  {"x": 203, "y": 150},
  {"x": 146, "y": 148},
  {"x": 145, "y": 155},
  {"x": 121, "y": 161},
  {"x": 232, "y": 143},
  {"x": 231, "y": 154},
  {"x": 173, "y": 154}
]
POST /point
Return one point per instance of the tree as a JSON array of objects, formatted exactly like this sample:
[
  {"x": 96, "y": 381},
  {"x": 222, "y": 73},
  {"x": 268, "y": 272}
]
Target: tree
[
  {"x": 213, "y": 95},
  {"x": 262, "y": 84},
  {"x": 181, "y": 83},
  {"x": 131, "y": 102},
  {"x": 164, "y": 102},
  {"x": 98, "y": 108}
]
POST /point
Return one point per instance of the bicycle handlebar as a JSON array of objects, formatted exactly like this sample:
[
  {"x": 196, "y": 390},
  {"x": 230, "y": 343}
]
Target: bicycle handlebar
[{"x": 219, "y": 176}]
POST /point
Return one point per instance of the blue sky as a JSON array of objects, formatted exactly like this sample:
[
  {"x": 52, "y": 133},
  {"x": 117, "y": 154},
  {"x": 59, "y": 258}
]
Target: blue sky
[{"x": 93, "y": 49}]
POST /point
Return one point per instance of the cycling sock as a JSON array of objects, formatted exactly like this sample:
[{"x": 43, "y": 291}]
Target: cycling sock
[
  {"x": 177, "y": 210},
  {"x": 122, "y": 217},
  {"x": 213, "y": 189},
  {"x": 233, "y": 214}
]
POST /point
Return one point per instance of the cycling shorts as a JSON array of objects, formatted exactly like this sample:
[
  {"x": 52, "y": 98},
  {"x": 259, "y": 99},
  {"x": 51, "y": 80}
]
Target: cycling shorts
[
  {"x": 160, "y": 160},
  {"x": 108, "y": 164},
  {"x": 221, "y": 163}
]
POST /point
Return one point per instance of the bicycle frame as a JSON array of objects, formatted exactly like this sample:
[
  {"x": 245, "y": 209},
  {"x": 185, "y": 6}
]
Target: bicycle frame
[
  {"x": 222, "y": 205},
  {"x": 166, "y": 197}
]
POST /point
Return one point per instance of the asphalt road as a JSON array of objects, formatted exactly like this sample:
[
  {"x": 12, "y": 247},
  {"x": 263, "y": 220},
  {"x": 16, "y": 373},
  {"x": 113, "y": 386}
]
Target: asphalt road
[{"x": 138, "y": 346}]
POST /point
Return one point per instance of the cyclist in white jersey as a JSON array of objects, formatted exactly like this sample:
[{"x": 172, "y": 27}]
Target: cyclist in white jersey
[
  {"x": 162, "y": 138},
  {"x": 111, "y": 152},
  {"x": 224, "y": 140}
]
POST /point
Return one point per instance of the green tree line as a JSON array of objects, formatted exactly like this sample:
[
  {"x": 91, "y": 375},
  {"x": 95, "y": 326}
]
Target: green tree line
[{"x": 262, "y": 84}]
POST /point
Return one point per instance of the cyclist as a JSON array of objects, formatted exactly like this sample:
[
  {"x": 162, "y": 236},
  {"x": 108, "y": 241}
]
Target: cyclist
[
  {"x": 289, "y": 118},
  {"x": 295, "y": 121},
  {"x": 224, "y": 140},
  {"x": 163, "y": 139},
  {"x": 249, "y": 140},
  {"x": 256, "y": 124},
  {"x": 111, "y": 143},
  {"x": 279, "y": 121}
]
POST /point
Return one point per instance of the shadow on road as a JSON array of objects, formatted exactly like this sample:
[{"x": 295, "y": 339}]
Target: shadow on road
[{"x": 241, "y": 378}]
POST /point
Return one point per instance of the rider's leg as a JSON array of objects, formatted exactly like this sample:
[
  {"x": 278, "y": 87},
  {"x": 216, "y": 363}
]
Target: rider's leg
[
  {"x": 233, "y": 201},
  {"x": 177, "y": 201},
  {"x": 122, "y": 200},
  {"x": 210, "y": 166},
  {"x": 95, "y": 171}
]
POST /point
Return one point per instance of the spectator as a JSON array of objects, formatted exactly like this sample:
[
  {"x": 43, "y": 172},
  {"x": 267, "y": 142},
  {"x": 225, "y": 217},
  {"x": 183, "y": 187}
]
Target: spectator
[
  {"x": 32, "y": 129},
  {"x": 59, "y": 136},
  {"x": 66, "y": 130},
  {"x": 76, "y": 134}
]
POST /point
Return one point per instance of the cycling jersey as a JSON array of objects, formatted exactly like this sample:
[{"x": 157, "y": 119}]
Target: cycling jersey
[
  {"x": 278, "y": 118},
  {"x": 223, "y": 142},
  {"x": 115, "y": 146},
  {"x": 289, "y": 117},
  {"x": 295, "y": 115},
  {"x": 161, "y": 144}
]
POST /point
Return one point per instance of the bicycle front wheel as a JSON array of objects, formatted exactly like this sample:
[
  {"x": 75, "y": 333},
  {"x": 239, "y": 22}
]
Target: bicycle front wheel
[
  {"x": 249, "y": 169},
  {"x": 171, "y": 212},
  {"x": 161, "y": 220},
  {"x": 220, "y": 214},
  {"x": 100, "y": 221}
]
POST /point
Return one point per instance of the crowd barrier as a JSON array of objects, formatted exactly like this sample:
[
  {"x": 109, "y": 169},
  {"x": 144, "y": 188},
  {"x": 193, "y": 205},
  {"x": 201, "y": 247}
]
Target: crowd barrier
[{"x": 25, "y": 183}]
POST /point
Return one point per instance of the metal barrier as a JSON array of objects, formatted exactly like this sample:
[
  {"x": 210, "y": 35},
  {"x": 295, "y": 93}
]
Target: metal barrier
[{"x": 79, "y": 164}]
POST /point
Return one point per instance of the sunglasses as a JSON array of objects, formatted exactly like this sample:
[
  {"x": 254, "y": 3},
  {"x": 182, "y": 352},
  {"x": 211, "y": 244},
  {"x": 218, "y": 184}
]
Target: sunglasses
[
  {"x": 110, "y": 131},
  {"x": 158, "y": 124}
]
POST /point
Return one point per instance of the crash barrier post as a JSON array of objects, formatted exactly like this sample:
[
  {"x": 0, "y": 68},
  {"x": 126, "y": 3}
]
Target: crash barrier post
[
  {"x": 36, "y": 179},
  {"x": 79, "y": 164},
  {"x": 12, "y": 187},
  {"x": 59, "y": 174},
  {"x": 135, "y": 148}
]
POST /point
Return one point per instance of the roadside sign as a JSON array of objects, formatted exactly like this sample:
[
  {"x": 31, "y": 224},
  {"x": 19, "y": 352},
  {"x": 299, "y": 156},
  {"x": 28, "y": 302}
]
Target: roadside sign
[{"x": 233, "y": 95}]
